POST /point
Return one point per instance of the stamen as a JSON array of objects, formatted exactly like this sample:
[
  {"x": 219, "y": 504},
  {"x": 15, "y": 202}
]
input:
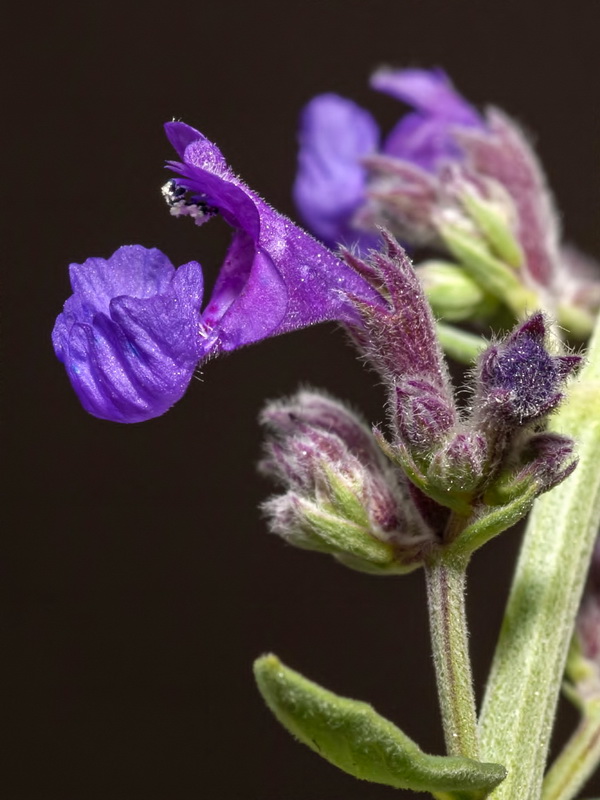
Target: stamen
[{"x": 182, "y": 204}]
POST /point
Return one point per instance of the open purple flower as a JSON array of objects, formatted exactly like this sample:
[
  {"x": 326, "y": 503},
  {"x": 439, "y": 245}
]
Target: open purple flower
[
  {"x": 336, "y": 135},
  {"x": 275, "y": 277},
  {"x": 133, "y": 332},
  {"x": 130, "y": 335}
]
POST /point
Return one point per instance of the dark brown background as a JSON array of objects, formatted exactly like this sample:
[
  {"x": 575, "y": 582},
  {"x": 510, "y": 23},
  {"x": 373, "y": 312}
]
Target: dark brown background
[{"x": 140, "y": 582}]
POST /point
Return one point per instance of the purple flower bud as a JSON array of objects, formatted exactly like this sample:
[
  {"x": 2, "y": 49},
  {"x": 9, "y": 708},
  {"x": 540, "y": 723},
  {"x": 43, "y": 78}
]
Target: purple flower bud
[
  {"x": 401, "y": 342},
  {"x": 460, "y": 464},
  {"x": 339, "y": 483},
  {"x": 539, "y": 462},
  {"x": 549, "y": 459},
  {"x": 424, "y": 415},
  {"x": 518, "y": 380},
  {"x": 315, "y": 410},
  {"x": 131, "y": 335}
]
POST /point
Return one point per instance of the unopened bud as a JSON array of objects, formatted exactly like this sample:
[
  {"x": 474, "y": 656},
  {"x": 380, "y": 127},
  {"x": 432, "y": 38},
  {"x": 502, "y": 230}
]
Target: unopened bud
[
  {"x": 343, "y": 497},
  {"x": 453, "y": 294},
  {"x": 315, "y": 410},
  {"x": 424, "y": 415},
  {"x": 518, "y": 380},
  {"x": 495, "y": 218},
  {"x": 544, "y": 461},
  {"x": 312, "y": 526},
  {"x": 460, "y": 465},
  {"x": 493, "y": 274}
]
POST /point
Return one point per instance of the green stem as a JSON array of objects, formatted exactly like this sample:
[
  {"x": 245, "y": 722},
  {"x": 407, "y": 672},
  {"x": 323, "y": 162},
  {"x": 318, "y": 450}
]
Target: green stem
[
  {"x": 458, "y": 344},
  {"x": 523, "y": 688},
  {"x": 577, "y": 761},
  {"x": 446, "y": 599}
]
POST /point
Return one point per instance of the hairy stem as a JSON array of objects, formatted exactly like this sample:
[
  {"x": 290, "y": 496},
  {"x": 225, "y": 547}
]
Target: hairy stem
[
  {"x": 577, "y": 761},
  {"x": 446, "y": 600},
  {"x": 523, "y": 688}
]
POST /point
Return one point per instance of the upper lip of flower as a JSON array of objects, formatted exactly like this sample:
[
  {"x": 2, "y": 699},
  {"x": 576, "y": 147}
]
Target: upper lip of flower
[{"x": 275, "y": 276}]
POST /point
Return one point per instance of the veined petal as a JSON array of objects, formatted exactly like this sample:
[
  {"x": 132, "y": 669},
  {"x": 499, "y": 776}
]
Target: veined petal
[{"x": 130, "y": 336}]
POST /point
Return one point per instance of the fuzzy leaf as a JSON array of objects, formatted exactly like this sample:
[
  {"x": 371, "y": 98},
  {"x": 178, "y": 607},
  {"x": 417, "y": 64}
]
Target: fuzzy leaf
[{"x": 352, "y": 736}]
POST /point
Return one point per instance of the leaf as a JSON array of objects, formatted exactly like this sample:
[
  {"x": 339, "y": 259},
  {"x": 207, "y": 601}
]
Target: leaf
[{"x": 352, "y": 736}]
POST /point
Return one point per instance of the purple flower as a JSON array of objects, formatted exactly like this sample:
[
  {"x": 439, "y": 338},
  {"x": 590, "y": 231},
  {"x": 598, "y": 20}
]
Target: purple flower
[
  {"x": 275, "y": 277},
  {"x": 425, "y": 136},
  {"x": 133, "y": 332},
  {"x": 336, "y": 135}
]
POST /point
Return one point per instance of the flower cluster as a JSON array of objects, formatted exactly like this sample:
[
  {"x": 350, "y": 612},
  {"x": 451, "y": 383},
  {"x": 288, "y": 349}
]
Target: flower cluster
[
  {"x": 336, "y": 136},
  {"x": 490, "y": 460},
  {"x": 134, "y": 330},
  {"x": 466, "y": 183},
  {"x": 342, "y": 495}
]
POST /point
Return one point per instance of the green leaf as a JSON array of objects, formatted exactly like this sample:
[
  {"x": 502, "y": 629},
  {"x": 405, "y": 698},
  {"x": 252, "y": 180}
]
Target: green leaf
[{"x": 352, "y": 736}]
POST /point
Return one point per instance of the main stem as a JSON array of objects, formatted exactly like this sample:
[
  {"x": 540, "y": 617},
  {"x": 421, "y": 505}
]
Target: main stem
[
  {"x": 446, "y": 599},
  {"x": 522, "y": 692}
]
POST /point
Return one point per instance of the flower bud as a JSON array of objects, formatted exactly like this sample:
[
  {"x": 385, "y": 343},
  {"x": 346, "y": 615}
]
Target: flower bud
[
  {"x": 453, "y": 294},
  {"x": 495, "y": 217},
  {"x": 308, "y": 409},
  {"x": 543, "y": 461},
  {"x": 342, "y": 497},
  {"x": 424, "y": 415},
  {"x": 473, "y": 252},
  {"x": 518, "y": 380},
  {"x": 460, "y": 465}
]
